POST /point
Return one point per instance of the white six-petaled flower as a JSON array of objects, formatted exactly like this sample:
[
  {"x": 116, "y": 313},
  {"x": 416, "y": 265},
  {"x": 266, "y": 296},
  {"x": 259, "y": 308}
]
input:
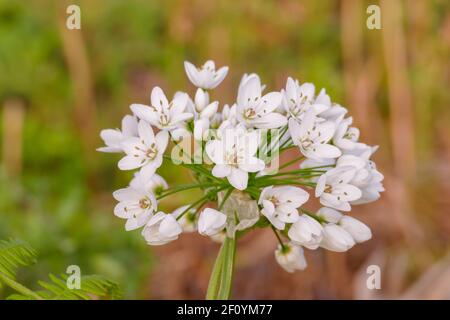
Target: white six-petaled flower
[
  {"x": 298, "y": 99},
  {"x": 145, "y": 152},
  {"x": 135, "y": 205},
  {"x": 161, "y": 113},
  {"x": 205, "y": 77},
  {"x": 335, "y": 190},
  {"x": 312, "y": 136},
  {"x": 255, "y": 110},
  {"x": 114, "y": 138},
  {"x": 234, "y": 156},
  {"x": 279, "y": 204}
]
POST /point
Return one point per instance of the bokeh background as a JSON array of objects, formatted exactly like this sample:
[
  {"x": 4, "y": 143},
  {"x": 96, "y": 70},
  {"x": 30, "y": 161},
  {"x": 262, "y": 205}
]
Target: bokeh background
[{"x": 59, "y": 87}]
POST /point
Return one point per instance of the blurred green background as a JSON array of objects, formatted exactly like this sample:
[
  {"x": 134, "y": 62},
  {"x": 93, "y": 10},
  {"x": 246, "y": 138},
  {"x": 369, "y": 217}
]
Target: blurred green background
[{"x": 60, "y": 87}]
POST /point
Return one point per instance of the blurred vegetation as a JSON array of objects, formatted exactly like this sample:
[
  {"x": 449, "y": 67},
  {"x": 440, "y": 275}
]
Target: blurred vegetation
[{"x": 60, "y": 201}]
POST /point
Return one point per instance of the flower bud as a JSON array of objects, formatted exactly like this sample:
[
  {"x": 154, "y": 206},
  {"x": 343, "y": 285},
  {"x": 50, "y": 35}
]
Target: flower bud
[
  {"x": 161, "y": 229},
  {"x": 330, "y": 215},
  {"x": 358, "y": 230},
  {"x": 201, "y": 99},
  {"x": 306, "y": 232},
  {"x": 211, "y": 222},
  {"x": 290, "y": 257},
  {"x": 335, "y": 238}
]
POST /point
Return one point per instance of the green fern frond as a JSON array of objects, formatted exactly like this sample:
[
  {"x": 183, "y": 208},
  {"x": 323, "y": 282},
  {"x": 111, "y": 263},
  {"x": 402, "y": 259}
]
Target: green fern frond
[
  {"x": 91, "y": 287},
  {"x": 14, "y": 254},
  {"x": 17, "y": 253}
]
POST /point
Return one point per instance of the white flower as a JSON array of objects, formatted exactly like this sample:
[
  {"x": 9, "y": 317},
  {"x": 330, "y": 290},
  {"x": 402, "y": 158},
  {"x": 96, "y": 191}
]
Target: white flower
[
  {"x": 137, "y": 206},
  {"x": 290, "y": 257},
  {"x": 145, "y": 152},
  {"x": 297, "y": 99},
  {"x": 254, "y": 110},
  {"x": 155, "y": 184},
  {"x": 335, "y": 190},
  {"x": 307, "y": 232},
  {"x": 312, "y": 137},
  {"x": 189, "y": 219},
  {"x": 335, "y": 238},
  {"x": 346, "y": 137},
  {"x": 358, "y": 230},
  {"x": 211, "y": 222},
  {"x": 280, "y": 204},
  {"x": 233, "y": 156},
  {"x": 161, "y": 113},
  {"x": 161, "y": 229},
  {"x": 367, "y": 178},
  {"x": 113, "y": 138},
  {"x": 205, "y": 77}
]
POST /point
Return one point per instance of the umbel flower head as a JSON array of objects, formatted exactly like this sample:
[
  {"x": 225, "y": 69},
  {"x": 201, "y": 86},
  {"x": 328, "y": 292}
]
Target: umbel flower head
[{"x": 236, "y": 145}]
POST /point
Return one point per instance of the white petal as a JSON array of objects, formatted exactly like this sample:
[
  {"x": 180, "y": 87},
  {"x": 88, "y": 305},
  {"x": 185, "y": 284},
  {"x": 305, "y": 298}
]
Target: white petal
[
  {"x": 323, "y": 151},
  {"x": 219, "y": 76},
  {"x": 294, "y": 130},
  {"x": 169, "y": 227},
  {"x": 330, "y": 215},
  {"x": 161, "y": 140},
  {"x": 144, "y": 112},
  {"x": 270, "y": 121},
  {"x": 129, "y": 126},
  {"x": 210, "y": 110},
  {"x": 129, "y": 162},
  {"x": 126, "y": 194},
  {"x": 146, "y": 133},
  {"x": 192, "y": 73},
  {"x": 358, "y": 230},
  {"x": 252, "y": 164},
  {"x": 221, "y": 170},
  {"x": 179, "y": 103},
  {"x": 148, "y": 171},
  {"x": 158, "y": 99},
  {"x": 177, "y": 118},
  {"x": 238, "y": 179},
  {"x": 250, "y": 91},
  {"x": 111, "y": 137},
  {"x": 271, "y": 101},
  {"x": 291, "y": 91}
]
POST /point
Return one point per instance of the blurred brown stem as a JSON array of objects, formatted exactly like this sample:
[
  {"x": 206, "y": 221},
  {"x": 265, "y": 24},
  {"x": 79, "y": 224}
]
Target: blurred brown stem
[{"x": 13, "y": 118}]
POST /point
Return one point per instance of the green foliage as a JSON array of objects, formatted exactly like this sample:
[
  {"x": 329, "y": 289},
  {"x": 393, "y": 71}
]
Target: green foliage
[
  {"x": 14, "y": 254},
  {"x": 17, "y": 253}
]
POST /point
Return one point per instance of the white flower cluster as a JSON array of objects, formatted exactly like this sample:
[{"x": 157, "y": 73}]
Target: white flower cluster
[{"x": 239, "y": 142}]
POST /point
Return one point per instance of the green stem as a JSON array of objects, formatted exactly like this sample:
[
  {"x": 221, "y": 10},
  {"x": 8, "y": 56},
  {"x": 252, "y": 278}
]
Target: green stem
[
  {"x": 199, "y": 202},
  {"x": 19, "y": 287},
  {"x": 170, "y": 191},
  {"x": 227, "y": 269},
  {"x": 214, "y": 280},
  {"x": 278, "y": 237}
]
